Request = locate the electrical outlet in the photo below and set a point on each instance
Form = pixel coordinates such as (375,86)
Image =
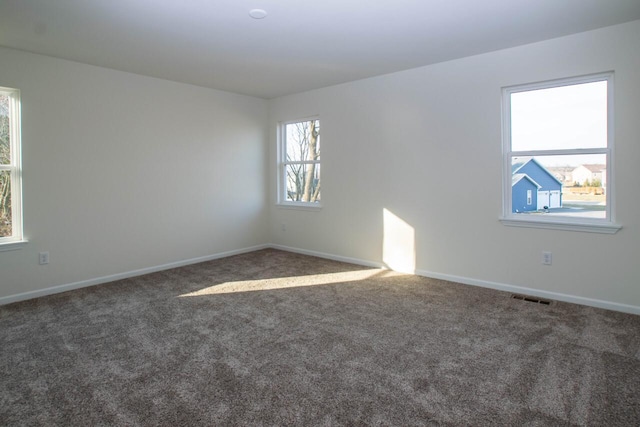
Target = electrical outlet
(546,258)
(43,258)
(284,227)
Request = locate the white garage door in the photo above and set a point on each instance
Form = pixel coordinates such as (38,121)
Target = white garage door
(543,199)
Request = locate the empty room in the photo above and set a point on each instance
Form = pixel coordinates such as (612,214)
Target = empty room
(274,212)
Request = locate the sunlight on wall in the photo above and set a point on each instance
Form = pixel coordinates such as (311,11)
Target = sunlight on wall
(290,282)
(398,246)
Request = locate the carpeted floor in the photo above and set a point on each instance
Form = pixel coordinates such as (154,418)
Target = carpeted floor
(274,338)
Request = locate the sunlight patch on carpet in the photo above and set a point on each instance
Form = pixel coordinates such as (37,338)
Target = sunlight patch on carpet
(291,282)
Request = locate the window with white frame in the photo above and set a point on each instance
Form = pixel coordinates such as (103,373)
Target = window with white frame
(299,162)
(557,153)
(10,173)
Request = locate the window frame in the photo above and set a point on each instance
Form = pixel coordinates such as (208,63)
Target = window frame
(283,163)
(16,240)
(595,225)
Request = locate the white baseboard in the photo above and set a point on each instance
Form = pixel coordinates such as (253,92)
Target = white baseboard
(329,256)
(608,305)
(111,278)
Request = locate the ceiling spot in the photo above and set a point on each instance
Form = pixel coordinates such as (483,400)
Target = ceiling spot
(257,13)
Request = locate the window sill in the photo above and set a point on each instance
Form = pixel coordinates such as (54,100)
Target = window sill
(13,246)
(300,206)
(588,227)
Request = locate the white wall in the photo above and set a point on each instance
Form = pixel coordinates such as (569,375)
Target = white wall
(425,145)
(124,172)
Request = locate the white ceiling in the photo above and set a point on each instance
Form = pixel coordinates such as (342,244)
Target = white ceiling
(300,45)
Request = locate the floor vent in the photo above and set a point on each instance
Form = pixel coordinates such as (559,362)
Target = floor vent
(531,299)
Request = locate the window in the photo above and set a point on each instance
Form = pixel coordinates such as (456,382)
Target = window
(299,163)
(10,173)
(557,147)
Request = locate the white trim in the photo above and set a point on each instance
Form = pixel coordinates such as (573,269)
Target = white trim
(568,151)
(300,119)
(113,277)
(15,167)
(340,258)
(281,165)
(610,197)
(303,206)
(556,224)
(567,81)
(591,302)
(606,225)
(607,305)
(13,246)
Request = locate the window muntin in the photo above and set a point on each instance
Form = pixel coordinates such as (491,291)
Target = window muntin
(299,169)
(10,173)
(555,134)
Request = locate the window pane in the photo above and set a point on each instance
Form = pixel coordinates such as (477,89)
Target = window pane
(570,186)
(303,141)
(303,182)
(5,153)
(5,204)
(565,117)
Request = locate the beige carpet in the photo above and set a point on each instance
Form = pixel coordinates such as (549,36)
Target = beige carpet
(274,338)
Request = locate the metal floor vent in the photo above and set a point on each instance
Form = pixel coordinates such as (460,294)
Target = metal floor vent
(531,299)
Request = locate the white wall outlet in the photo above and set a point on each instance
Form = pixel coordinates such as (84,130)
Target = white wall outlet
(43,258)
(547,258)
(283,227)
